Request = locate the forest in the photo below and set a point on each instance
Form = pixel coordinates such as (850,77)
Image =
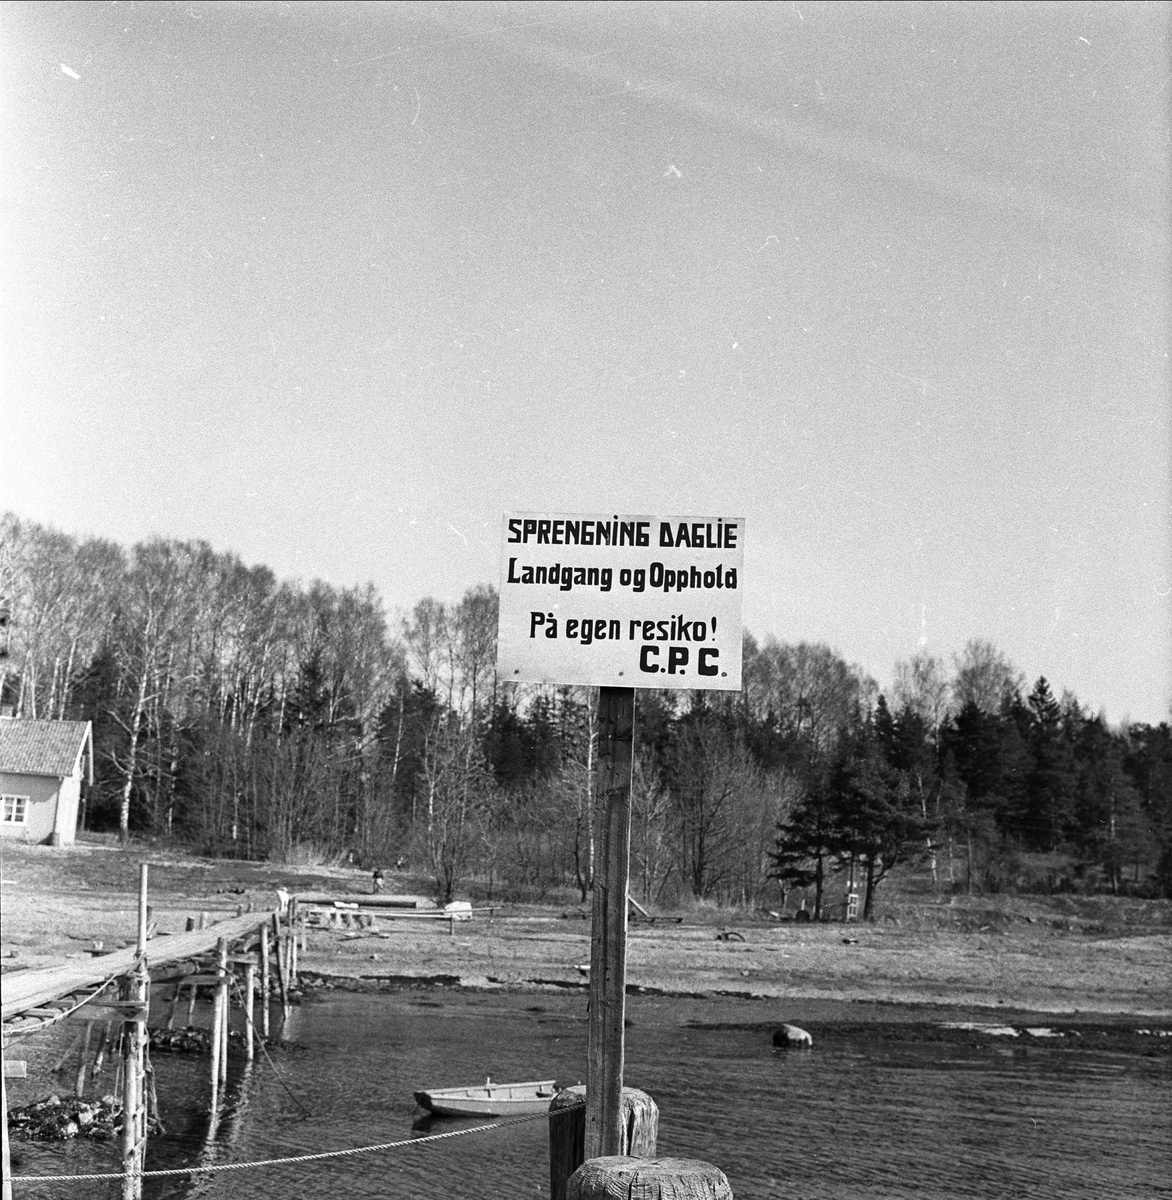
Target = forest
(242,716)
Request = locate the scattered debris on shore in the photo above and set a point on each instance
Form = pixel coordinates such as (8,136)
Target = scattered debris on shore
(58,1119)
(191,1040)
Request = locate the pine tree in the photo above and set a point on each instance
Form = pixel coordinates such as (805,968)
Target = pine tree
(1050,786)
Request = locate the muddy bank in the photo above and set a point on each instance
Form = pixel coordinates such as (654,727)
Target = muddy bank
(1051,956)
(1033,969)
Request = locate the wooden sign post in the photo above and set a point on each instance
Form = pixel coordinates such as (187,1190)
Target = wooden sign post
(618,602)
(608,934)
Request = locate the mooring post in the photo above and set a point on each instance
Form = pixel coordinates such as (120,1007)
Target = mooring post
(608,930)
(226,1005)
(135,989)
(567,1132)
(650,1179)
(249,1010)
(265,982)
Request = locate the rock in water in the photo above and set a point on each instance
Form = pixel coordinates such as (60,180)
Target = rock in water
(790,1037)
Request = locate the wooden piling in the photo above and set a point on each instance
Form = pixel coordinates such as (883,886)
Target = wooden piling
(100,1056)
(135,987)
(265,981)
(226,1005)
(649,1179)
(249,1007)
(174,1006)
(567,1132)
(79,1084)
(293,918)
(217,1017)
(281,969)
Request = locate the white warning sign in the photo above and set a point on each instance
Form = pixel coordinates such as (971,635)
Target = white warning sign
(621,601)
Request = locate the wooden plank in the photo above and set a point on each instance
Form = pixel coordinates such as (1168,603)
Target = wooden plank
(129,1010)
(326,900)
(15,1068)
(608,931)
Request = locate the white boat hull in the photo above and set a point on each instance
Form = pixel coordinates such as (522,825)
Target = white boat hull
(489,1100)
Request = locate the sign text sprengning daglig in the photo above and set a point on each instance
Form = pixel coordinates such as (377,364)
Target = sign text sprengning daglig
(622,601)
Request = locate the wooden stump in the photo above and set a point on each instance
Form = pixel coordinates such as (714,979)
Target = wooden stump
(567,1132)
(620,1177)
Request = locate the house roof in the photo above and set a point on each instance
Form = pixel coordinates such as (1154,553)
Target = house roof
(43,747)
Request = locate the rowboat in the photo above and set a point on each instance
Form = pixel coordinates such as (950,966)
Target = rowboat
(489,1099)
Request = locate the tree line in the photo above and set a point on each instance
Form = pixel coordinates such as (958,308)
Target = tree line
(264,719)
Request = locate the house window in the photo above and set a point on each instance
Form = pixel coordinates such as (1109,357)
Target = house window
(15,810)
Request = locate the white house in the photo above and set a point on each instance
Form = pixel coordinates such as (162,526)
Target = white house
(42,764)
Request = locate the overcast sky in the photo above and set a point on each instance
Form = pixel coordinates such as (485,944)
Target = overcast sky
(333,286)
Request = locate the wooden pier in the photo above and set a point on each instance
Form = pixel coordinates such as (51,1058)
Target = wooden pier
(203,956)
(30,993)
(233,956)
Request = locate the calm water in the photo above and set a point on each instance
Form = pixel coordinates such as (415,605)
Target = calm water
(860,1116)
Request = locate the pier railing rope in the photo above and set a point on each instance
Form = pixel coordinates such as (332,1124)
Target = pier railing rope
(280,1162)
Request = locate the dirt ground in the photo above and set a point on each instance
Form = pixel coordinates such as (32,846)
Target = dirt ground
(1022,953)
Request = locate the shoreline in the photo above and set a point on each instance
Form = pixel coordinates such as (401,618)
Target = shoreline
(828,1021)
(833,1008)
(1027,969)
(1056,957)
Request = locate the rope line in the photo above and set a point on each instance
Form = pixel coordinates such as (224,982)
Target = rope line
(277,1162)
